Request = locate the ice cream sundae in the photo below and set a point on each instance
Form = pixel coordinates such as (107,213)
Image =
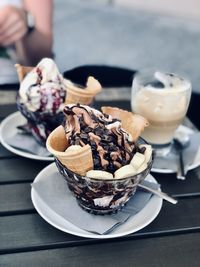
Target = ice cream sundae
(101,155)
(43,93)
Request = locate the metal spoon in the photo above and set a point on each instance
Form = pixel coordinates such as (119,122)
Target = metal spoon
(158,193)
(181,141)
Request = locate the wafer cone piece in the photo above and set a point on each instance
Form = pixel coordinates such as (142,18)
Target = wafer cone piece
(22,71)
(131,123)
(85,95)
(79,161)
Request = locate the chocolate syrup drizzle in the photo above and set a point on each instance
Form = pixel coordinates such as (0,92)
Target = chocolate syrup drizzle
(54,95)
(110,144)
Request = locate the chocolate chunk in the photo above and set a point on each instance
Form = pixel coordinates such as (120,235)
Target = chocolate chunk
(142,150)
(107,138)
(88,129)
(83,136)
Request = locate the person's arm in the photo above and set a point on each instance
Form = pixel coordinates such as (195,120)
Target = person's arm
(30,46)
(38,43)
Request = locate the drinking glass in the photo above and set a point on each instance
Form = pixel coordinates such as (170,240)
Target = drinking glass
(163,99)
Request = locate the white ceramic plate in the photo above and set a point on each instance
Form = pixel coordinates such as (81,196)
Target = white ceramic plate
(135,223)
(8,128)
(194,165)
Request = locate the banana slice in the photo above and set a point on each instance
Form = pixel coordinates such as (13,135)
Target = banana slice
(137,160)
(101,175)
(148,152)
(142,167)
(125,171)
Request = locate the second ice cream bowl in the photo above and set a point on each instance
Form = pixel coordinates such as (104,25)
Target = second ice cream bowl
(97,196)
(42,110)
(41,122)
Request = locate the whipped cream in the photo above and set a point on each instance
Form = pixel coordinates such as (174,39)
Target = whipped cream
(44,88)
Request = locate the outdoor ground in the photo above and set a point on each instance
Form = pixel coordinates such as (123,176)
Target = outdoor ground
(104,32)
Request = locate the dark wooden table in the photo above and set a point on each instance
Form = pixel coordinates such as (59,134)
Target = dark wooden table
(172,239)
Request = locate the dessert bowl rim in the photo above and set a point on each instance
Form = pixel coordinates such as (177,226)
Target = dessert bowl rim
(149,165)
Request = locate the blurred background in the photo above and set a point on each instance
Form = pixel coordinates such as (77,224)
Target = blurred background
(136,34)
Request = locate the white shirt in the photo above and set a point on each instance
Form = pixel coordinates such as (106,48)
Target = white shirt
(17,3)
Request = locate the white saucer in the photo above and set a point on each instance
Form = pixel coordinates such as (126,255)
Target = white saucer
(195,163)
(135,223)
(8,128)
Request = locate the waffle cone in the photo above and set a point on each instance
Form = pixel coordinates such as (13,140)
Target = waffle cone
(79,161)
(131,123)
(85,95)
(22,71)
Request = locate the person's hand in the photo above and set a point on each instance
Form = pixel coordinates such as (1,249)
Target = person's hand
(13,25)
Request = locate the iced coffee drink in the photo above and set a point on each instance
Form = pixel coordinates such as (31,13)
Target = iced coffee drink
(163,99)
